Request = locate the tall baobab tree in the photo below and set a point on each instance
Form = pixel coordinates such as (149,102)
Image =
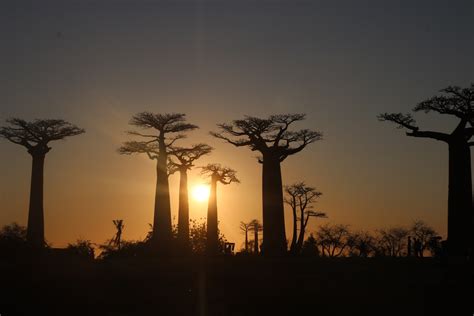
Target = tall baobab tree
(245,228)
(299,197)
(275,143)
(256,227)
(35,136)
(458,103)
(224,175)
(185,161)
(166,129)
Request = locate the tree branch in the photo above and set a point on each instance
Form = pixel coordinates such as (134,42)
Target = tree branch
(428,134)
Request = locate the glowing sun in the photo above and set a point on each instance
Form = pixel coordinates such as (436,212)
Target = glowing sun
(201,192)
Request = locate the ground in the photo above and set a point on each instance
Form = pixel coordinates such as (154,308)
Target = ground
(235,286)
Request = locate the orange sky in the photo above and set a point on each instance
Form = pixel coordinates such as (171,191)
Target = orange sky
(96,65)
(88,184)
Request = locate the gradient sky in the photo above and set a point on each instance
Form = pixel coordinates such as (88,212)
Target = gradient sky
(96,63)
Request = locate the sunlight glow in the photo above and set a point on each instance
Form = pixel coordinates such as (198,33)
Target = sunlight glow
(201,192)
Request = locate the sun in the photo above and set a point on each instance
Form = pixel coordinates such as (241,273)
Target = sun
(201,192)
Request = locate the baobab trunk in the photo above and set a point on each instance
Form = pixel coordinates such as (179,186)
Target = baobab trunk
(246,241)
(212,232)
(304,222)
(274,237)
(162,217)
(460,210)
(295,231)
(255,246)
(183,211)
(35,230)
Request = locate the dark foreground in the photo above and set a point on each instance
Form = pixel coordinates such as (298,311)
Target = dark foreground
(236,286)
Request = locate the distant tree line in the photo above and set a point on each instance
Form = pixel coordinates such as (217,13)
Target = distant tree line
(329,240)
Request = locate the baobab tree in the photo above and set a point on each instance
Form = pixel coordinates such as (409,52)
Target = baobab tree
(256,227)
(185,158)
(245,228)
(224,175)
(458,103)
(275,143)
(158,144)
(35,136)
(299,196)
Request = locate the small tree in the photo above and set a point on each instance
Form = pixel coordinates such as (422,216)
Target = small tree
(83,248)
(273,139)
(392,241)
(333,239)
(157,145)
(198,237)
(13,233)
(36,136)
(424,233)
(310,246)
(185,161)
(116,241)
(304,223)
(458,103)
(299,196)
(224,175)
(256,227)
(361,244)
(245,228)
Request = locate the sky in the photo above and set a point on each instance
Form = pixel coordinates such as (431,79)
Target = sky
(97,63)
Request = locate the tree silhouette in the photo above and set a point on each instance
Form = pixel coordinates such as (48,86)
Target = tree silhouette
(185,158)
(35,136)
(198,237)
(361,244)
(458,103)
(392,241)
(158,145)
(256,227)
(245,228)
(12,240)
(424,233)
(83,248)
(224,175)
(117,239)
(275,143)
(299,197)
(333,239)
(310,246)
(292,201)
(304,223)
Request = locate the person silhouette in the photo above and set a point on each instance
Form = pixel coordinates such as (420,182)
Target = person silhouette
(409,247)
(417,247)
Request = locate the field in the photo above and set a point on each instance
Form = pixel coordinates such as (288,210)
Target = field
(236,286)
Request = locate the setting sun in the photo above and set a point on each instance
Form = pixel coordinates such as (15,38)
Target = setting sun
(201,192)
